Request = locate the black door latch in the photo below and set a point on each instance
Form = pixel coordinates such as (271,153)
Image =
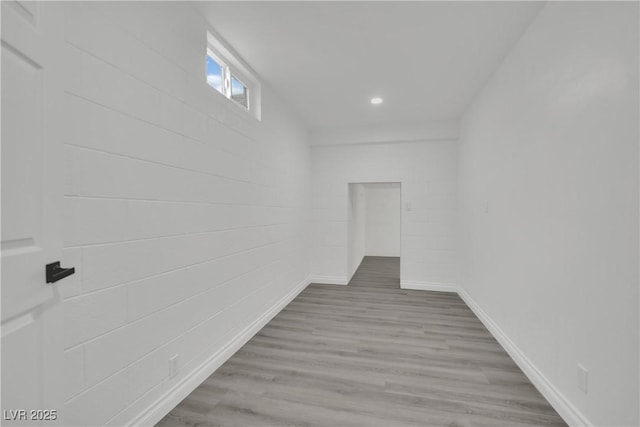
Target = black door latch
(55,272)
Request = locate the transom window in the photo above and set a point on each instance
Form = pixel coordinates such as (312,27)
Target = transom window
(229,76)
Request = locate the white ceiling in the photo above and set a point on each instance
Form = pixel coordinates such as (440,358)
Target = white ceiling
(327,59)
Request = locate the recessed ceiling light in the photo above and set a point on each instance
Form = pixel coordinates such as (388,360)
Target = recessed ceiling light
(376,100)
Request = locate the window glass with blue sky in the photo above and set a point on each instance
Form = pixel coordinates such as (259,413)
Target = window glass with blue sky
(214,74)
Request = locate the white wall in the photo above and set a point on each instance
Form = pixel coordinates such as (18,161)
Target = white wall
(426,170)
(185,217)
(356,226)
(549,204)
(432,131)
(383,219)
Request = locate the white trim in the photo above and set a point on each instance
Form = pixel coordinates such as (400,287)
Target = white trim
(330,280)
(163,405)
(561,404)
(556,399)
(428,286)
(354,270)
(446,130)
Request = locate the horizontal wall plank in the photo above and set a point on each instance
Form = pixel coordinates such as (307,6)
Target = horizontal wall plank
(107,354)
(166,254)
(87,316)
(90,31)
(115,90)
(125,220)
(90,175)
(73,371)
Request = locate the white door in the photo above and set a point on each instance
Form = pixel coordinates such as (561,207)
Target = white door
(32,378)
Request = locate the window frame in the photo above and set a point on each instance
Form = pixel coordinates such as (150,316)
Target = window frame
(247,91)
(232,66)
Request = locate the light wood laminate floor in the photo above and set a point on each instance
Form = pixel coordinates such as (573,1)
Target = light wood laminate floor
(368,354)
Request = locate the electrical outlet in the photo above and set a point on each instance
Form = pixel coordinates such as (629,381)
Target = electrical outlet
(173,366)
(583,378)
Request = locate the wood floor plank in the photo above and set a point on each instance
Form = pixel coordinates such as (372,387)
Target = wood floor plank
(368,354)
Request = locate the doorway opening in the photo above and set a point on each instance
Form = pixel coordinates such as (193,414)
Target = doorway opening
(374,225)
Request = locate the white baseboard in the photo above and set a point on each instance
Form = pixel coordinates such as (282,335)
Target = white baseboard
(428,286)
(330,280)
(351,273)
(162,406)
(565,409)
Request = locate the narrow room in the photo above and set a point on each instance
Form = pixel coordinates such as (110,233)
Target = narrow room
(320,213)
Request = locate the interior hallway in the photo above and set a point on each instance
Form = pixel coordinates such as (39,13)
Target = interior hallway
(368,353)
